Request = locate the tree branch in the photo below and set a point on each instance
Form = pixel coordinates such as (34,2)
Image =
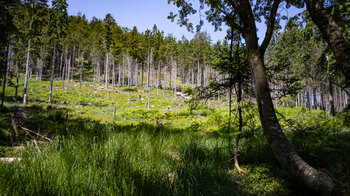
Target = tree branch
(270,26)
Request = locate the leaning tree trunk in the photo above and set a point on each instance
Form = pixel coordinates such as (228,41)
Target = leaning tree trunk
(240,125)
(331,33)
(52,70)
(297,168)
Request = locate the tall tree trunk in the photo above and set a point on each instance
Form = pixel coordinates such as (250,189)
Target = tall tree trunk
(331,32)
(119,74)
(149,75)
(308,100)
(52,70)
(170,75)
(142,68)
(26,74)
(98,67)
(148,69)
(107,68)
(136,75)
(73,63)
(81,73)
(159,75)
(68,74)
(113,75)
(198,74)
(330,95)
(192,78)
(240,125)
(17,81)
(314,94)
(6,68)
(64,67)
(175,75)
(123,78)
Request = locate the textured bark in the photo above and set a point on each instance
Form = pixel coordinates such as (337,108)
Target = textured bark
(297,168)
(331,33)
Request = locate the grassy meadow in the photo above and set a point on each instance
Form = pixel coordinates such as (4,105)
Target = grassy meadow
(113,143)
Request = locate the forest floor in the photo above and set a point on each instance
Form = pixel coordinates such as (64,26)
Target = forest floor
(96,141)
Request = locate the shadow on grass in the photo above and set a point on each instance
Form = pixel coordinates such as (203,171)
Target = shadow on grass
(99,158)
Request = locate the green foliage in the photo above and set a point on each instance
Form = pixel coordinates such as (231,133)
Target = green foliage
(260,180)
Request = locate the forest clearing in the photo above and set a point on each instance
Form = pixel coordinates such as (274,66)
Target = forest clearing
(89,107)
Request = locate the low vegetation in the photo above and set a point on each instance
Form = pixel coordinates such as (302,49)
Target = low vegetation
(108,143)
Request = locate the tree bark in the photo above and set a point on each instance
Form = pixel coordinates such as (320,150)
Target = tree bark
(5,78)
(159,75)
(52,70)
(113,75)
(17,81)
(331,33)
(297,168)
(107,68)
(26,74)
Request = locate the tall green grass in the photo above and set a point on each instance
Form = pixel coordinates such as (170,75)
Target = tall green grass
(109,159)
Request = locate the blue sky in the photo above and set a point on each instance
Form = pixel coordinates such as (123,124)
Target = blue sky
(144,14)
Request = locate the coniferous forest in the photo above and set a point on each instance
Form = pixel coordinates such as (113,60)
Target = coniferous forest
(89,107)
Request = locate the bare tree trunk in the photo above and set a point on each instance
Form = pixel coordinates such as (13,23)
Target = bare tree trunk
(113,75)
(142,68)
(64,67)
(5,78)
(170,75)
(159,75)
(17,80)
(81,73)
(198,74)
(148,70)
(119,74)
(26,74)
(123,78)
(240,125)
(68,73)
(175,75)
(107,69)
(192,81)
(330,95)
(314,94)
(308,100)
(149,75)
(136,72)
(52,70)
(73,63)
